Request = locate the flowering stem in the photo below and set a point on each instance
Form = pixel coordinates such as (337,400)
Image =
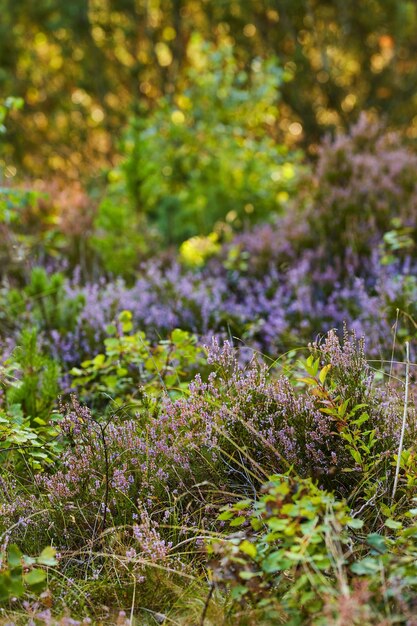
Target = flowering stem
(106,494)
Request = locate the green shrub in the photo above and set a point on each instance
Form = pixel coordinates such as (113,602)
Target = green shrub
(134,372)
(43,302)
(208,152)
(118,237)
(29,381)
(299,556)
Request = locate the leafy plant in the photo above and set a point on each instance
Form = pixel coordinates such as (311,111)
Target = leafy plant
(132,370)
(20,573)
(296,552)
(118,236)
(396,242)
(348,418)
(290,541)
(207,153)
(43,302)
(32,379)
(29,381)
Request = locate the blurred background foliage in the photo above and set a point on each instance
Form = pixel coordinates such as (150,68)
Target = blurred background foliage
(127,125)
(204,153)
(84,67)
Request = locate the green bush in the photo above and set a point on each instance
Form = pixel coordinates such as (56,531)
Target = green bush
(29,383)
(299,555)
(118,237)
(133,372)
(43,302)
(208,152)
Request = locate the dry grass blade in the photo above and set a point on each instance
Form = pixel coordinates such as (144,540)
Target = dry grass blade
(404,422)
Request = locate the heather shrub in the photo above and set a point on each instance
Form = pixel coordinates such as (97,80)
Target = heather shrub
(364,180)
(259,288)
(234,428)
(245,422)
(132,484)
(237,425)
(103,468)
(269,296)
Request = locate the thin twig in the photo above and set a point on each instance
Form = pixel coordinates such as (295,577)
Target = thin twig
(206,604)
(400,447)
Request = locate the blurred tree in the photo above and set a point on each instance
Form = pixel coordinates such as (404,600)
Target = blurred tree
(83,66)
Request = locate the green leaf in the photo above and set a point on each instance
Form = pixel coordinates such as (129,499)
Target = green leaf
(248,575)
(343,407)
(377,542)
(99,360)
(391,523)
(5,583)
(238,591)
(16,586)
(238,521)
(243,504)
(40,421)
(75,371)
(127,327)
(179,336)
(14,556)
(323,373)
(125,316)
(277,524)
(47,556)
(248,548)
(276,562)
(35,577)
(226,515)
(355,523)
(307,380)
(356,455)
(361,420)
(366,566)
